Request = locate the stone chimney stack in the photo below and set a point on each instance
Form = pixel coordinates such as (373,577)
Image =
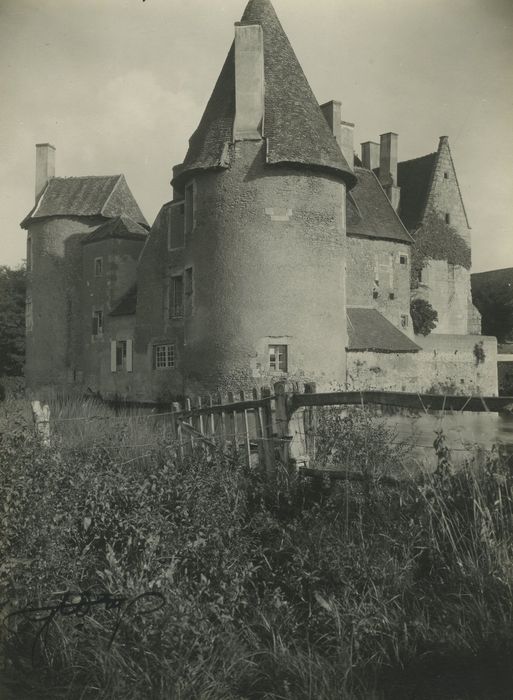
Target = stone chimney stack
(342,131)
(370,155)
(249,82)
(388,167)
(45,166)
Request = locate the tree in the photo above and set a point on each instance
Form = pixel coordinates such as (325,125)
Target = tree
(492,294)
(423,316)
(12,320)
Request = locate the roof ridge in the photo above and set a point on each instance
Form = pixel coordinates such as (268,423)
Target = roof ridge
(411,160)
(85,177)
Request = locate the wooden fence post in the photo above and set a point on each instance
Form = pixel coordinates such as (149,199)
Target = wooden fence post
(41,415)
(290,427)
(310,423)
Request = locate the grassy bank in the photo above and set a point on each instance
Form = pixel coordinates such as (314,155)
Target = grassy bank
(297,589)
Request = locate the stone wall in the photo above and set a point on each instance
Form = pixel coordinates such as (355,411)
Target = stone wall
(103,292)
(54,286)
(446,364)
(376,277)
(268,258)
(447,288)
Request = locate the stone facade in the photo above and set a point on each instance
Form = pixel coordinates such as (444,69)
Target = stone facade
(378,276)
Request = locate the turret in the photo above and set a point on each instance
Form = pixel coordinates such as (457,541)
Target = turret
(264,186)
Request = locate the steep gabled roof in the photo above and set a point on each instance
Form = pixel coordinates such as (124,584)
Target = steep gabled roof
(414,178)
(108,196)
(368,330)
(369,212)
(294,126)
(120,227)
(126,306)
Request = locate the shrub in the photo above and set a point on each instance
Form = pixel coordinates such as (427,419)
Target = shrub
(423,316)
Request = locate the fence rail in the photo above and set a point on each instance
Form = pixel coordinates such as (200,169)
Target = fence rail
(280,424)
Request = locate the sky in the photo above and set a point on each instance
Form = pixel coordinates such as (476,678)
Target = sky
(118,86)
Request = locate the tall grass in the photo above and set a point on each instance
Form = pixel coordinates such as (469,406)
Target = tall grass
(309,589)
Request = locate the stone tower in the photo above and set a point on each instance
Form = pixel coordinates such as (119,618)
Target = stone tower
(263,191)
(65,211)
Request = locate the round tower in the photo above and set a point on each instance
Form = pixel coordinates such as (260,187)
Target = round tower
(264,186)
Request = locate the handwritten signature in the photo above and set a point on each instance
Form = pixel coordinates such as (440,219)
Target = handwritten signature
(81,605)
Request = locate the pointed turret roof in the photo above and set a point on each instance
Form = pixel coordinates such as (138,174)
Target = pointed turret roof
(294,126)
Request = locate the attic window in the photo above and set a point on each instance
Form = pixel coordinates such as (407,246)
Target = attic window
(447,218)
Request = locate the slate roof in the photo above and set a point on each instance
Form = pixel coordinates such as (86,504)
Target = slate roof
(294,126)
(369,330)
(126,306)
(108,196)
(414,178)
(369,212)
(120,227)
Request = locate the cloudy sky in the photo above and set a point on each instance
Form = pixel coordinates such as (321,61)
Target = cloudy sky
(118,86)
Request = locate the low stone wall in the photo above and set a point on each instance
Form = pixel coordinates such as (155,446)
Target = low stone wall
(450,364)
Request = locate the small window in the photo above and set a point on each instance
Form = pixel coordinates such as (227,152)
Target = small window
(120,355)
(163,356)
(403,259)
(97,322)
(29,319)
(189,291)
(29,253)
(98,267)
(190,207)
(278,358)
(447,218)
(404,321)
(391,295)
(446,176)
(375,293)
(176,297)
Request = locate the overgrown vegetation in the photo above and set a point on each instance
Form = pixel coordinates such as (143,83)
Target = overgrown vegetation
(436,240)
(423,316)
(300,589)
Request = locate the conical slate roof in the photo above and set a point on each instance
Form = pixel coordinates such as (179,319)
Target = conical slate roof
(294,126)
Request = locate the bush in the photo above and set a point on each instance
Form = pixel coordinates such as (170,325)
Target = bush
(423,316)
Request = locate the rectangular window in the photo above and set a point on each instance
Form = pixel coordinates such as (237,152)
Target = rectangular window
(391,295)
(278,360)
(403,259)
(190,208)
(446,176)
(29,253)
(189,291)
(97,322)
(98,267)
(121,356)
(163,356)
(447,218)
(404,321)
(29,319)
(176,297)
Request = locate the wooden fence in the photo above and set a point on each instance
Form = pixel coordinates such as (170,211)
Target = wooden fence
(280,424)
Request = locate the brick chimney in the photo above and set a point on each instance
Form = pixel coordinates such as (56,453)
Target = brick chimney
(388,167)
(370,155)
(249,82)
(342,131)
(45,166)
